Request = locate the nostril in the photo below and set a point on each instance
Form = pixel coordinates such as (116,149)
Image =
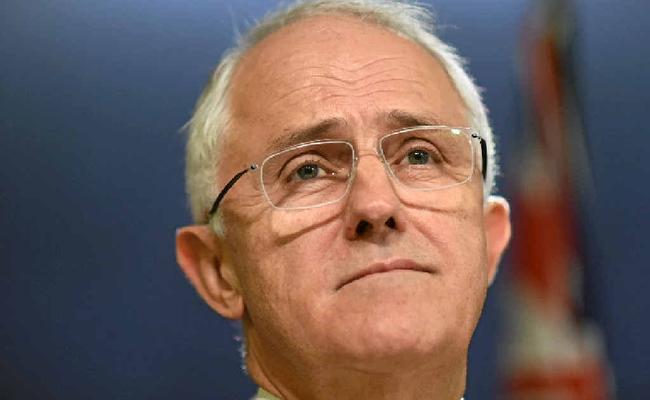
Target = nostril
(390,222)
(362,227)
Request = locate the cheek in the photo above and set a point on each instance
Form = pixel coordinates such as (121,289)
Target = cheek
(457,239)
(457,233)
(470,270)
(252,260)
(453,220)
(282,262)
(307,246)
(298,225)
(286,289)
(263,284)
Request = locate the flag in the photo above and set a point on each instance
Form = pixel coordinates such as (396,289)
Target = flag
(553,350)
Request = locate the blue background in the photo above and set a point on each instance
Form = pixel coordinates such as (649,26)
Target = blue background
(92,96)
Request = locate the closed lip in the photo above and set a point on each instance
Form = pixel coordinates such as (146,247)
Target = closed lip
(386,266)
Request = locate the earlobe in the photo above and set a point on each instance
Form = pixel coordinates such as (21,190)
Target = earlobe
(199,254)
(496,220)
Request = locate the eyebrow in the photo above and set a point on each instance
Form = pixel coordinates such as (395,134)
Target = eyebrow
(307,134)
(404,119)
(395,119)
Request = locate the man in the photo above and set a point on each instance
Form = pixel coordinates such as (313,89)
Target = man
(339,169)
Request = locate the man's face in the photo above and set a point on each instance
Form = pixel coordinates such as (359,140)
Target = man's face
(304,274)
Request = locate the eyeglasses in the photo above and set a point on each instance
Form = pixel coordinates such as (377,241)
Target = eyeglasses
(317,173)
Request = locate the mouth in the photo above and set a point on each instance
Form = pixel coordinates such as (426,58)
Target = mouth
(384,267)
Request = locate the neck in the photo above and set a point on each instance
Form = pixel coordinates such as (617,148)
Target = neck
(412,378)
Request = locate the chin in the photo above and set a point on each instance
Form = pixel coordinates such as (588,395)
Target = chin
(396,336)
(386,350)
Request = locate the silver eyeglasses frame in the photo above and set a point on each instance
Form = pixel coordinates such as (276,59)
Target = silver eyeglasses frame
(472,134)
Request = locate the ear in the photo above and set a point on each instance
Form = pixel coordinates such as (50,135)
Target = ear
(200,256)
(496,222)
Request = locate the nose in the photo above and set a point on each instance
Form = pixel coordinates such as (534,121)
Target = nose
(373,210)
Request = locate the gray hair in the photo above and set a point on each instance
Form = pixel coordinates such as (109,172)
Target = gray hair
(212,118)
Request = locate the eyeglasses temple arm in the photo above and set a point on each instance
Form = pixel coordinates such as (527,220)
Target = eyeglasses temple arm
(226,188)
(484,156)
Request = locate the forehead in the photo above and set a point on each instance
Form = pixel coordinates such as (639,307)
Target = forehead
(335,67)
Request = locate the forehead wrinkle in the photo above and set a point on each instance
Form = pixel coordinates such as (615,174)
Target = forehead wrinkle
(373,62)
(332,68)
(366,65)
(332,96)
(345,88)
(310,86)
(352,81)
(322,81)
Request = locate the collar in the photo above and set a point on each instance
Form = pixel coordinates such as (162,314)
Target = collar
(264,395)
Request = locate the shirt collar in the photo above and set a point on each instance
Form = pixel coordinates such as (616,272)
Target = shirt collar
(264,395)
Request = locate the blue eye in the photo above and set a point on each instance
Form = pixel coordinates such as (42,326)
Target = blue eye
(418,157)
(308,171)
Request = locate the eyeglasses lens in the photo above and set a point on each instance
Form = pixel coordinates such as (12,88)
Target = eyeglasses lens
(429,159)
(308,175)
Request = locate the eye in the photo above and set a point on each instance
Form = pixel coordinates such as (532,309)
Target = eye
(307,171)
(413,151)
(418,157)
